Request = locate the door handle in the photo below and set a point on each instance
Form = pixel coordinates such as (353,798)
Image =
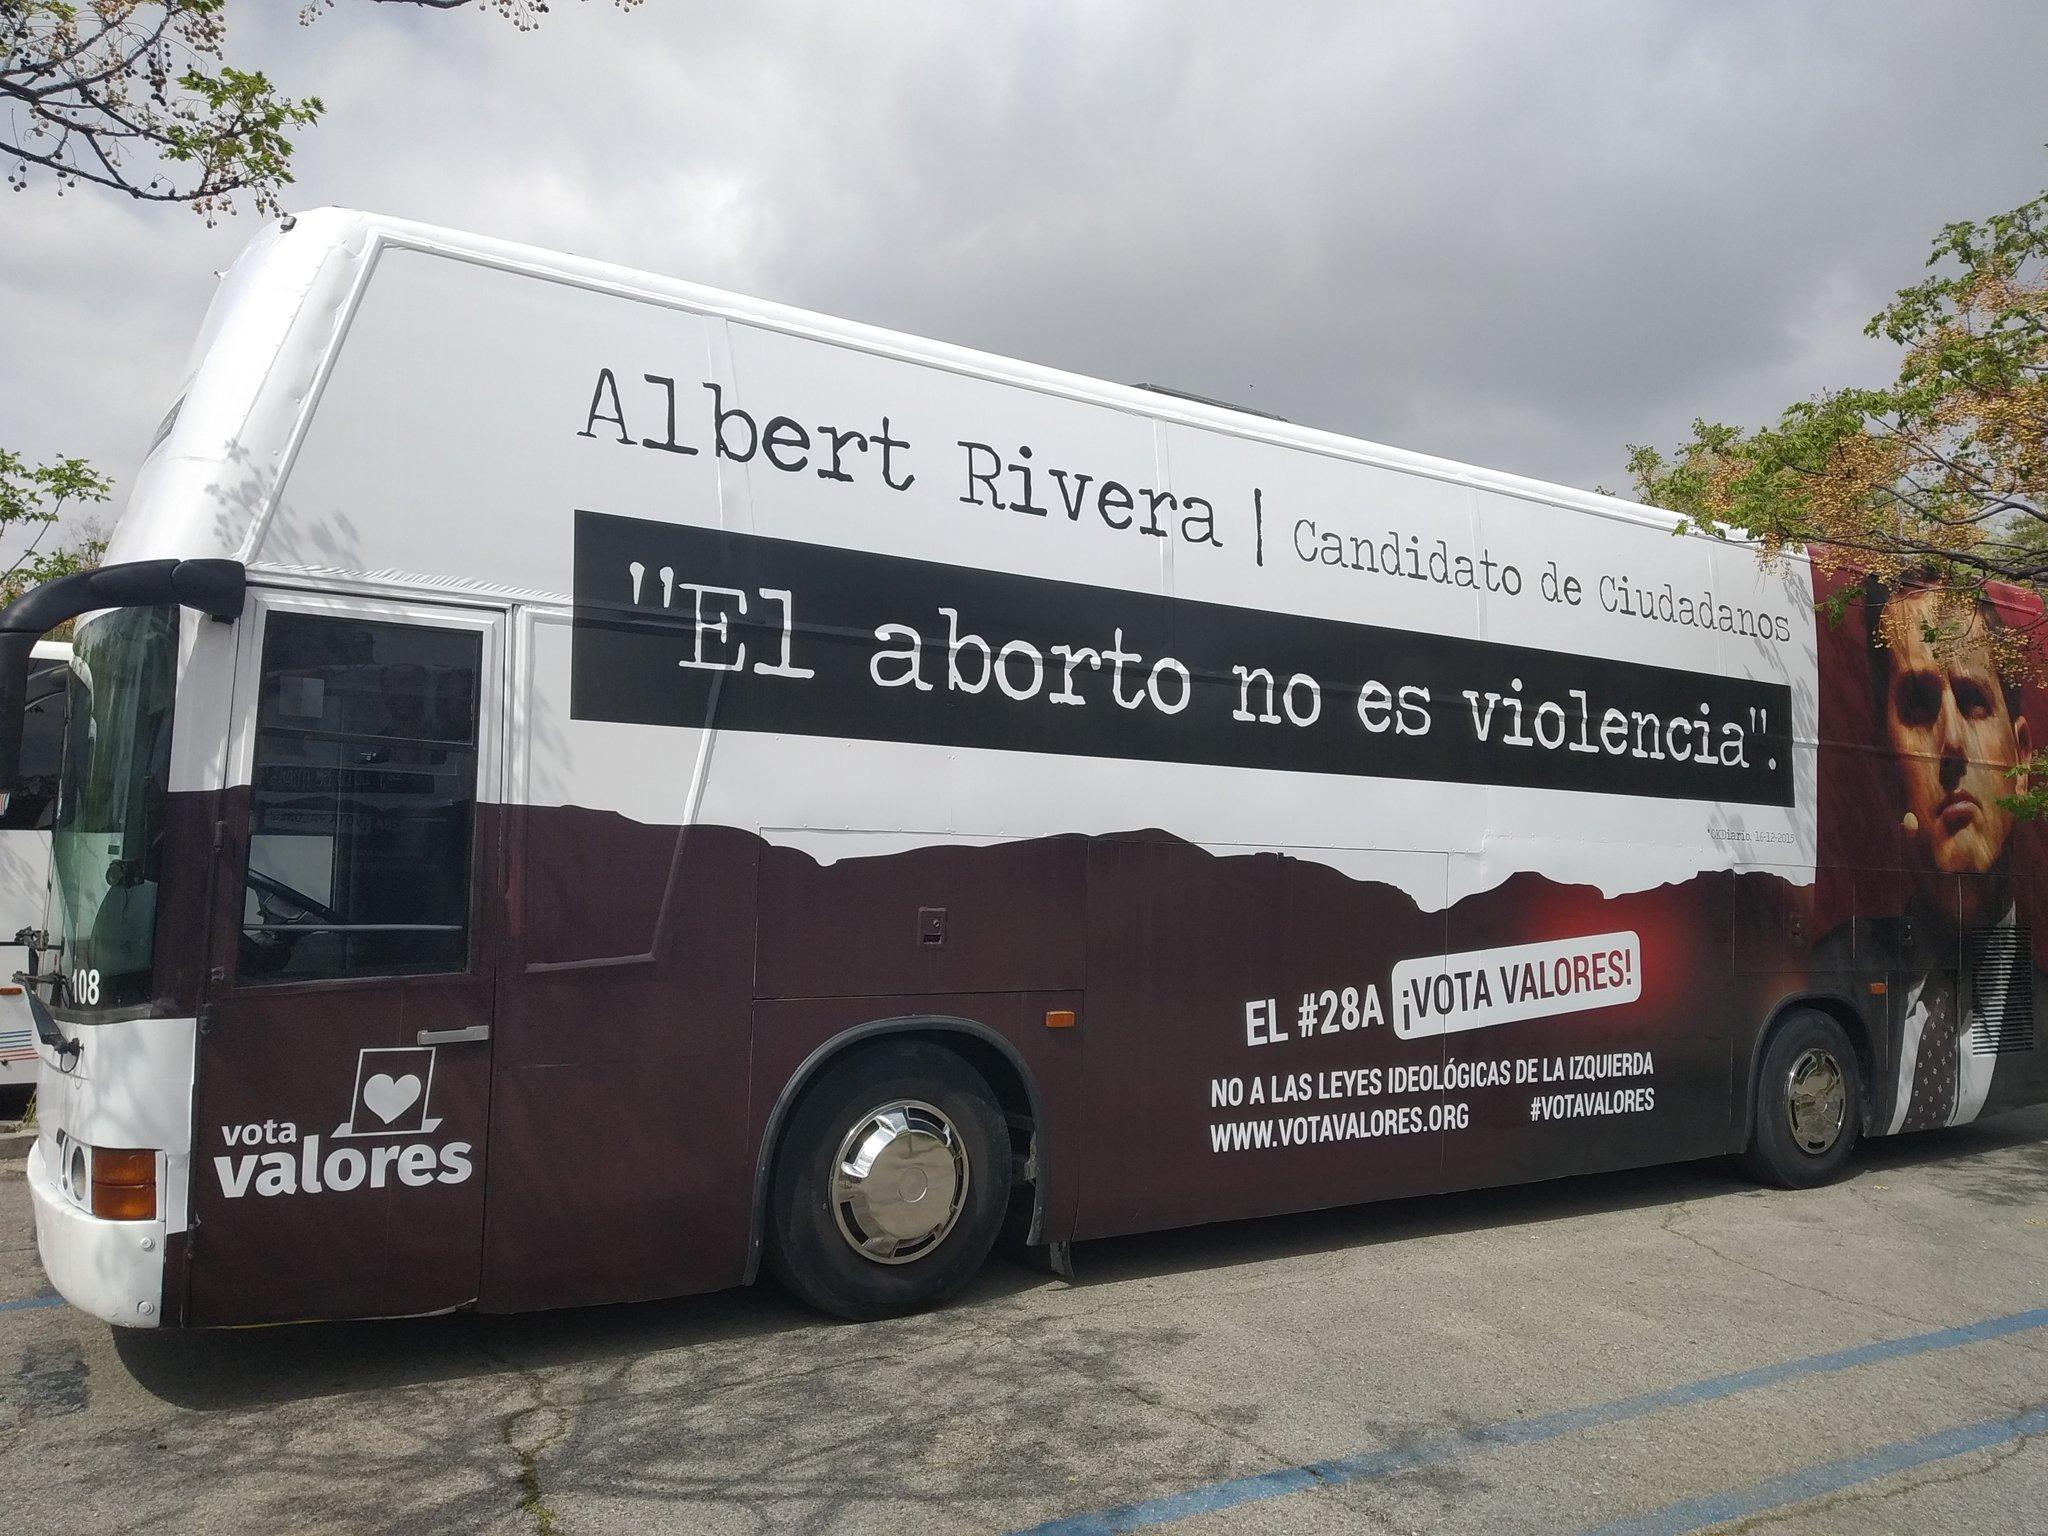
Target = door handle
(454,1036)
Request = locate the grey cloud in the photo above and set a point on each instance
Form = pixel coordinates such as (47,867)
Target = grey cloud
(1518,235)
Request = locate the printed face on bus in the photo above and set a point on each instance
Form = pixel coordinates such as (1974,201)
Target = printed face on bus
(1953,740)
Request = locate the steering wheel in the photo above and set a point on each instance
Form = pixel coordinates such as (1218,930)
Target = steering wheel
(266,951)
(269,887)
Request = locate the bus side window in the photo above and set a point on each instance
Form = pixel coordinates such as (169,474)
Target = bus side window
(33,806)
(362,801)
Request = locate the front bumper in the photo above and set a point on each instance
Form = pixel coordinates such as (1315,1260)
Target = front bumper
(112,1269)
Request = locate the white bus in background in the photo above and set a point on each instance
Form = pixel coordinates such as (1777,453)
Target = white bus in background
(25,857)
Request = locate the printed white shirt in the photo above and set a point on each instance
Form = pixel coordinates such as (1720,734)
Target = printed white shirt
(1974,1070)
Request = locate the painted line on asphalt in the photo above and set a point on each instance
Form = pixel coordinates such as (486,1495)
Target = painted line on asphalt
(1370,1465)
(1829,1477)
(31,1301)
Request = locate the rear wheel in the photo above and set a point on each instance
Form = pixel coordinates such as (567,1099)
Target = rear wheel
(1809,1104)
(890,1184)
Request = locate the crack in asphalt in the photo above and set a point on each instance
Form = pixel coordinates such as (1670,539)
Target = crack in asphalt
(1902,1483)
(1668,1224)
(527,1450)
(1153,1398)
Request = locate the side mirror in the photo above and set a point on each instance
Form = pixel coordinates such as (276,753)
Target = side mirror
(215,588)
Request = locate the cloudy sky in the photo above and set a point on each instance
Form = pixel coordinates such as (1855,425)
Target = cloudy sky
(1519,234)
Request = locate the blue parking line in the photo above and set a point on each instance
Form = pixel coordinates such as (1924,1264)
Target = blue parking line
(1828,1477)
(1371,1465)
(31,1301)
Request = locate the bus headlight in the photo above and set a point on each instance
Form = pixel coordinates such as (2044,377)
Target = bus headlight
(124,1183)
(114,1183)
(78,1175)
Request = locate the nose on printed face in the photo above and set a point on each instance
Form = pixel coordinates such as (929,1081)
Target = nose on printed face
(1949,725)
(1954,763)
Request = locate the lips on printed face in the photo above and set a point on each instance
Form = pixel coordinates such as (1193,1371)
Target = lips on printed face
(1964,837)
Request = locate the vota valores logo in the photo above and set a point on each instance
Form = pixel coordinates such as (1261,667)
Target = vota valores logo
(387,1140)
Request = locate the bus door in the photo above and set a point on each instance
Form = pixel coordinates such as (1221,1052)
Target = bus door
(344,1037)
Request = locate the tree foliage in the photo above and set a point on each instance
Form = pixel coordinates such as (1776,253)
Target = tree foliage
(1939,478)
(138,96)
(1943,472)
(37,494)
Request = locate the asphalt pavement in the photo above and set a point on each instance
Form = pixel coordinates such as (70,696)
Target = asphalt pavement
(1652,1352)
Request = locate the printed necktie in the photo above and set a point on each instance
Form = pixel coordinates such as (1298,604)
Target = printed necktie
(1939,1061)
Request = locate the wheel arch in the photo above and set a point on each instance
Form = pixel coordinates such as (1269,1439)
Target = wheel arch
(1862,1040)
(998,1061)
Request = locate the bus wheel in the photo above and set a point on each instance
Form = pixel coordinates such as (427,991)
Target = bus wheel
(890,1184)
(1809,1104)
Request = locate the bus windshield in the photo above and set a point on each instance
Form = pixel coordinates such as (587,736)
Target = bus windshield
(106,844)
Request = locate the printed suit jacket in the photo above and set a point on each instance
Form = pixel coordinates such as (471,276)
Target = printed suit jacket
(1885,966)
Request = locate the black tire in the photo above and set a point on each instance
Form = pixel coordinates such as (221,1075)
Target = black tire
(1782,1151)
(815,1255)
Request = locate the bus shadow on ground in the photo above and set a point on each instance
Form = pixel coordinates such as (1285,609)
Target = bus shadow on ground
(1958,1162)
(1960,1159)
(237,1369)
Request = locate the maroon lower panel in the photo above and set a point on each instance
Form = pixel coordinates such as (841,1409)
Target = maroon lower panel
(620,1063)
(1199,1111)
(1239,1050)
(338,1164)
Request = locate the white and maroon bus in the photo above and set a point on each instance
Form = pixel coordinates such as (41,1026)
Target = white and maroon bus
(578,785)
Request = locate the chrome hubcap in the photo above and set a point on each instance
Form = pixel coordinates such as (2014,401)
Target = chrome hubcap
(899,1181)
(1816,1099)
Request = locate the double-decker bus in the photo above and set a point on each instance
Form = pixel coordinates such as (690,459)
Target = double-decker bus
(578,785)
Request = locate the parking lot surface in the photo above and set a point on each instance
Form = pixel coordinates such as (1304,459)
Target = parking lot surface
(1659,1351)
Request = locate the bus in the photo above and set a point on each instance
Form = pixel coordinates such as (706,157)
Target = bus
(579,786)
(25,818)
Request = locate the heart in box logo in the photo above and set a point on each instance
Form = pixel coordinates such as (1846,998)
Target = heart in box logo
(389,1097)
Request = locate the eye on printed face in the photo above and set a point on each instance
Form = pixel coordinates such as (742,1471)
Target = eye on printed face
(1952,739)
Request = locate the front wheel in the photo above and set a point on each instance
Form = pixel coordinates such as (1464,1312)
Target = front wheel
(890,1184)
(1809,1104)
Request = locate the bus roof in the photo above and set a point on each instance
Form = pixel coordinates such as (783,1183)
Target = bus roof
(296,314)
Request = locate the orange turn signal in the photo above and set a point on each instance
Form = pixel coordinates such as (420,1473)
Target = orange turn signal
(1877,989)
(1060,1018)
(124,1183)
